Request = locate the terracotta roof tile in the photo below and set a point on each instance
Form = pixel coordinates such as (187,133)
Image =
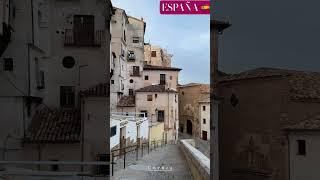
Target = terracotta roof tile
(127,101)
(54,126)
(312,123)
(149,67)
(155,88)
(303,85)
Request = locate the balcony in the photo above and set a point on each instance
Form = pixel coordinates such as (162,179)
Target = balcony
(84,38)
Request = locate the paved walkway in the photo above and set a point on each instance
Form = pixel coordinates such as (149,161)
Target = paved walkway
(167,157)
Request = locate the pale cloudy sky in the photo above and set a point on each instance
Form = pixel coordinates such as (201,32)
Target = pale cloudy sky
(187,37)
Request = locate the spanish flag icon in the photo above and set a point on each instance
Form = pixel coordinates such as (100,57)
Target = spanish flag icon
(205,7)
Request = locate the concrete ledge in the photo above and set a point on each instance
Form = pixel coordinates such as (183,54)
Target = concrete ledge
(198,163)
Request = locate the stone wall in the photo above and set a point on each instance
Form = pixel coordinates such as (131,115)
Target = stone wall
(199,164)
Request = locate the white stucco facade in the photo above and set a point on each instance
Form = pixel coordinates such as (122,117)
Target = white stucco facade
(304,166)
(204,117)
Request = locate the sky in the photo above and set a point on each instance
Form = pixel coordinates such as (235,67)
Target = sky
(187,37)
(273,33)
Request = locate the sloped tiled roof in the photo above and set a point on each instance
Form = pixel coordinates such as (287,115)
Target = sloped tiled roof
(54,126)
(150,67)
(312,123)
(303,85)
(127,101)
(99,90)
(204,98)
(155,88)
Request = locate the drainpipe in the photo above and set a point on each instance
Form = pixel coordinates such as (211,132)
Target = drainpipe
(82,131)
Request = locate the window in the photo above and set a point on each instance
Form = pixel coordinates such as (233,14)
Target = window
(131,81)
(182,93)
(146,77)
(131,55)
(162,79)
(204,121)
(54,167)
(83,30)
(68,62)
(124,35)
(170,77)
(112,81)
(145,113)
(301,147)
(135,40)
(160,116)
(156,95)
(175,98)
(67,96)
(153,53)
(41,83)
(149,97)
(234,100)
(204,108)
(130,92)
(113,131)
(8,64)
(135,70)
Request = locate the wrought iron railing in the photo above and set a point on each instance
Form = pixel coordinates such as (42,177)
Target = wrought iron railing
(84,38)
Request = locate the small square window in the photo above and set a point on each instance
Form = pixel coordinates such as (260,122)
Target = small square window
(8,64)
(204,108)
(112,81)
(145,113)
(153,53)
(135,40)
(204,121)
(146,77)
(156,95)
(149,98)
(301,147)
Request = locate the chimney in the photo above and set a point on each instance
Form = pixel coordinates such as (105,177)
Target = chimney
(217,28)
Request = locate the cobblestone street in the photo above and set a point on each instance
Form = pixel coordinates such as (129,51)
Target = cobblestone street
(168,156)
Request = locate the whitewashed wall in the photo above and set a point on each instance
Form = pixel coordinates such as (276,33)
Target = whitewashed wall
(205,115)
(115,140)
(305,167)
(144,129)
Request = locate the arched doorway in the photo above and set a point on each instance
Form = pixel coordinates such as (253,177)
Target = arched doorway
(189,127)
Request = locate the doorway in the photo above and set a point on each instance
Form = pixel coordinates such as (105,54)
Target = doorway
(204,135)
(189,127)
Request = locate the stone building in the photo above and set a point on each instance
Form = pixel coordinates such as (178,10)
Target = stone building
(119,47)
(55,81)
(156,56)
(254,108)
(142,71)
(204,117)
(189,107)
(304,144)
